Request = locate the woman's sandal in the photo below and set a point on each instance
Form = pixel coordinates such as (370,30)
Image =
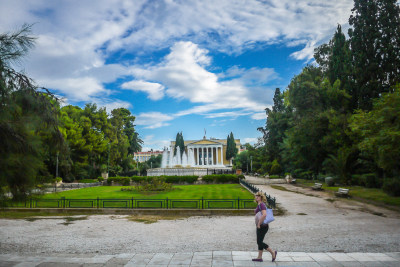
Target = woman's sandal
(276,253)
(257,259)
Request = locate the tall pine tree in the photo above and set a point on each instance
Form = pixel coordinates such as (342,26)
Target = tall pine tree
(231,149)
(179,142)
(375,48)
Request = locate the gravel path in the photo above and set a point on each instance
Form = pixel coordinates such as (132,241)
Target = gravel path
(311,224)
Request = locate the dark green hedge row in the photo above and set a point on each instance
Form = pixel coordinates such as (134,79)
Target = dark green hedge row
(221,178)
(190,179)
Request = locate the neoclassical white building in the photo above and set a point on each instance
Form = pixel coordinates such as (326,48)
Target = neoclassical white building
(208,153)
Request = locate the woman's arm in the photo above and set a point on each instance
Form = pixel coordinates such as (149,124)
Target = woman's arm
(262,218)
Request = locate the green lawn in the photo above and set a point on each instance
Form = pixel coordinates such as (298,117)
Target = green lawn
(372,194)
(214,191)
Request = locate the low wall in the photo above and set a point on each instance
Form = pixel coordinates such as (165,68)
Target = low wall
(187,171)
(177,171)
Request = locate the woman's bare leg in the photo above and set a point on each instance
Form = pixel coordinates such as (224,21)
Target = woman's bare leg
(260,252)
(270,251)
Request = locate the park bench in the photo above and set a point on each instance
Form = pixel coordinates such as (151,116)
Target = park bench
(317,186)
(342,192)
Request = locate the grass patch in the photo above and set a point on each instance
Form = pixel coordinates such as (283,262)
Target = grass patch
(301,213)
(372,195)
(212,191)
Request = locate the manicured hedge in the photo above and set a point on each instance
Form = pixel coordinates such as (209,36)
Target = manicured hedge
(119,180)
(221,178)
(138,179)
(190,179)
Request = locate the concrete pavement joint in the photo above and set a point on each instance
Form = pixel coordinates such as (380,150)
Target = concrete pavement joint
(206,258)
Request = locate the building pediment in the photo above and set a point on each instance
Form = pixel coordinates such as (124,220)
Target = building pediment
(204,142)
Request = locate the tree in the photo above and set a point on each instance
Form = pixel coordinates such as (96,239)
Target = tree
(231,149)
(154,161)
(25,111)
(334,59)
(278,120)
(375,48)
(242,161)
(179,142)
(126,125)
(378,132)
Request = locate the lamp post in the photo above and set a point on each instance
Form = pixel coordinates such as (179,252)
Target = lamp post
(55,184)
(108,161)
(251,164)
(57,166)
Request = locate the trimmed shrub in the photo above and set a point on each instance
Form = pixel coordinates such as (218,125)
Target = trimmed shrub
(392,187)
(190,179)
(241,176)
(100,179)
(138,179)
(119,180)
(221,178)
(275,168)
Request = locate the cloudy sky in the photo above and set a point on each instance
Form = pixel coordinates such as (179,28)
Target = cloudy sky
(184,65)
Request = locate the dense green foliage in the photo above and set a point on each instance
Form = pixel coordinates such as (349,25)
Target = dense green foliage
(28,121)
(221,178)
(179,142)
(36,133)
(341,118)
(231,149)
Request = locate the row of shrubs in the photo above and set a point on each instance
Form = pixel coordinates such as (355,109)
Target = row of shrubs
(222,178)
(188,179)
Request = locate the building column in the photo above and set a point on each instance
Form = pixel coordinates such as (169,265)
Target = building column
(205,155)
(222,156)
(212,155)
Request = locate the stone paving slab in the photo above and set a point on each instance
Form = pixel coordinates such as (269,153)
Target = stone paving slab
(204,259)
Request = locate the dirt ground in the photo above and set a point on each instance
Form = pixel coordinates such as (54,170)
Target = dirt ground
(313,222)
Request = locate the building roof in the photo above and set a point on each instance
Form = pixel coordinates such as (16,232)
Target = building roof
(212,140)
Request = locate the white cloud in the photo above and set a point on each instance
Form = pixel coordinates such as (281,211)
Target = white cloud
(149,143)
(232,25)
(74,45)
(155,90)
(249,140)
(183,73)
(259,116)
(234,114)
(152,120)
(76,89)
(252,76)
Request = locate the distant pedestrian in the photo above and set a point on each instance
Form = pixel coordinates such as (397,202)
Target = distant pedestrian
(262,229)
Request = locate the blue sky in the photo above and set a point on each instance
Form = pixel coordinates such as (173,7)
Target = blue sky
(183,65)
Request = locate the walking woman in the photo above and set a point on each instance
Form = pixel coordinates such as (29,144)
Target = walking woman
(262,229)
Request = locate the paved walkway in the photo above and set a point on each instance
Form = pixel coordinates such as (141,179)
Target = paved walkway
(208,258)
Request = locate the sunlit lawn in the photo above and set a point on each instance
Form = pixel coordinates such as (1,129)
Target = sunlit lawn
(373,194)
(214,191)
